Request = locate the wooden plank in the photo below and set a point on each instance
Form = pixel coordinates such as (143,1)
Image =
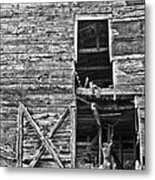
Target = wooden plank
(93,50)
(19,136)
(73,115)
(59,122)
(49,145)
(105,92)
(93,68)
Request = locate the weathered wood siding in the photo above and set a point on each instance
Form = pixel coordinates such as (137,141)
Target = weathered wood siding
(37,64)
(128,53)
(37,69)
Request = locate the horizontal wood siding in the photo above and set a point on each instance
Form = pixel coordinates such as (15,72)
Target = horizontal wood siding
(37,65)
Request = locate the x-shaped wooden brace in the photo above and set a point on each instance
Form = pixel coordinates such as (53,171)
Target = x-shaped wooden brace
(46,144)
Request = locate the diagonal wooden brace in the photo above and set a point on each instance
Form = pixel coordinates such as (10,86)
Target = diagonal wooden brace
(60,121)
(49,145)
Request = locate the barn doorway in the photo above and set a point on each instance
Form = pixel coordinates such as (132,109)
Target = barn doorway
(117,117)
(100,117)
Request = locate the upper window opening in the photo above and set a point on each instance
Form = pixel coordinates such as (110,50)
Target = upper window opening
(93,61)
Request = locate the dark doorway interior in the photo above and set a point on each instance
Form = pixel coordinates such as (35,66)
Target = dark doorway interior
(118,114)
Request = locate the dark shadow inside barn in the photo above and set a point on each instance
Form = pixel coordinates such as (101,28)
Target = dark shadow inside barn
(93,53)
(102,121)
(117,124)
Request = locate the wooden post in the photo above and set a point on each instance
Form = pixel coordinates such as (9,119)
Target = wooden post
(100,144)
(73,137)
(139,129)
(19,137)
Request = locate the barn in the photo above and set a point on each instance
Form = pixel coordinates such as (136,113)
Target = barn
(72,80)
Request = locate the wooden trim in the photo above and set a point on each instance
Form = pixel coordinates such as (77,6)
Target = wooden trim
(76,40)
(114,79)
(110,39)
(19,136)
(83,17)
(49,145)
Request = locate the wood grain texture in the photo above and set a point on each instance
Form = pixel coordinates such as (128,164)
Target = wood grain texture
(37,69)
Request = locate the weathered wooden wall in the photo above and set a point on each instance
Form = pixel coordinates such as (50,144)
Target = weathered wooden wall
(128,53)
(37,62)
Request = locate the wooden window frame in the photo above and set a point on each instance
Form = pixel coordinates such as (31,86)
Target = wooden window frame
(92,17)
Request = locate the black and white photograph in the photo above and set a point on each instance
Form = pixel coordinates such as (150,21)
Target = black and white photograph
(72,85)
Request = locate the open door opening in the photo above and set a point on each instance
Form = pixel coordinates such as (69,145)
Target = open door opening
(106,128)
(117,123)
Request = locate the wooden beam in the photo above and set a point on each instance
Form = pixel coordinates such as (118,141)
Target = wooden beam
(93,68)
(60,121)
(49,145)
(107,92)
(93,50)
(19,136)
